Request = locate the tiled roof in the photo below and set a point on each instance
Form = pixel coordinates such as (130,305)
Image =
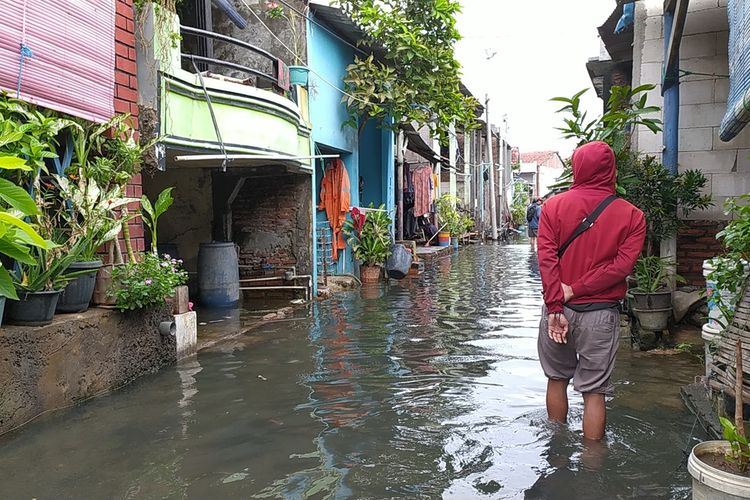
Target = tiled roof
(537,156)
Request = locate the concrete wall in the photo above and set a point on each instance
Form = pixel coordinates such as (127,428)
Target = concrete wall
(703,102)
(703,99)
(76,358)
(369,154)
(188,223)
(271,223)
(274,39)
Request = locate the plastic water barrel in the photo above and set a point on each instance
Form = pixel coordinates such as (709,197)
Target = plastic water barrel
(218,274)
(399,263)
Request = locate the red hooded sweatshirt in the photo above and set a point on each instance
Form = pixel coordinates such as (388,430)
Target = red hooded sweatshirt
(597,263)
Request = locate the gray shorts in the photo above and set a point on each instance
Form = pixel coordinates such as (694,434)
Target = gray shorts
(589,356)
(533,232)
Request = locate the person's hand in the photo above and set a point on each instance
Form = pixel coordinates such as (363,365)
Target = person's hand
(568,292)
(557,326)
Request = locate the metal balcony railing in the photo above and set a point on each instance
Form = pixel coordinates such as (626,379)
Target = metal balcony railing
(203,60)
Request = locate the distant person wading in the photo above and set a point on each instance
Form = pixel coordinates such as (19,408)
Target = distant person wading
(583,267)
(533,215)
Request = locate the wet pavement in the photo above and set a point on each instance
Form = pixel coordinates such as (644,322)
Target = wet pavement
(428,388)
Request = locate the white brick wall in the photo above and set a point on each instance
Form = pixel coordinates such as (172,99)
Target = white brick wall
(703,98)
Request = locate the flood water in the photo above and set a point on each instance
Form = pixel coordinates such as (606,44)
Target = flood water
(421,389)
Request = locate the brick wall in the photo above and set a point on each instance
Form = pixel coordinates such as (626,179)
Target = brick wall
(697,242)
(126,95)
(272,223)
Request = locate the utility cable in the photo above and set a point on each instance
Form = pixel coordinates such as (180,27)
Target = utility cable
(323,79)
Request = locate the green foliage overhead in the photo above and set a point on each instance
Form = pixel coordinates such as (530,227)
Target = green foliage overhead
(419,77)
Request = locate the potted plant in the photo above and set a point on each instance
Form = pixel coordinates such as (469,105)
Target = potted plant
(369,235)
(39,283)
(450,220)
(92,220)
(652,296)
(720,468)
(148,281)
(298,72)
(16,236)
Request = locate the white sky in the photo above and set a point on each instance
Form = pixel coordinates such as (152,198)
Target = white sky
(542,47)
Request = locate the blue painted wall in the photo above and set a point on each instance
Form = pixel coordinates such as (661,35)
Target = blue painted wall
(369,153)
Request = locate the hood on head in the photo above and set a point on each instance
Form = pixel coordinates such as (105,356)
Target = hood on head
(594,167)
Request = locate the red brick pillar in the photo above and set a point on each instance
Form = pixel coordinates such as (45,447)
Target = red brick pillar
(126,96)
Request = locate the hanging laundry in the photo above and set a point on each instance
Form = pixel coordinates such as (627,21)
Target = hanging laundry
(335,198)
(422,179)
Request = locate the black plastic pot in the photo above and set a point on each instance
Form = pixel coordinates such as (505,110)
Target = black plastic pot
(649,301)
(76,297)
(34,308)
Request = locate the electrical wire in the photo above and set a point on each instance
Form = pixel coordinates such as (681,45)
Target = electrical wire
(336,35)
(323,79)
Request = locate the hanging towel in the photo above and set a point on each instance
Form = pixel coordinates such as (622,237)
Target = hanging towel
(422,178)
(335,198)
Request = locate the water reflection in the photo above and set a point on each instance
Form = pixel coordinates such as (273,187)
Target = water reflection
(425,388)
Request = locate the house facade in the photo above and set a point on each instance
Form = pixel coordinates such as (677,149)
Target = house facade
(367,152)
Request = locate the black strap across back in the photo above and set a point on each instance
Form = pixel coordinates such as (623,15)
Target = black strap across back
(587,222)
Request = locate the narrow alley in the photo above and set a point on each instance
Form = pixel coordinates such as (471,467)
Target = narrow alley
(425,388)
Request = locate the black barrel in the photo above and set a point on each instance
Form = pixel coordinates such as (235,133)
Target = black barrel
(218,274)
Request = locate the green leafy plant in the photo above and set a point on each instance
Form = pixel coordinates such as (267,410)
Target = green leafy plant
(731,269)
(369,235)
(92,216)
(47,270)
(521,201)
(653,274)
(739,452)
(662,196)
(17,237)
(417,79)
(449,216)
(153,212)
(626,109)
(147,282)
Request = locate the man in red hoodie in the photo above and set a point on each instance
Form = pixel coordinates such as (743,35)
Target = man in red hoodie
(579,331)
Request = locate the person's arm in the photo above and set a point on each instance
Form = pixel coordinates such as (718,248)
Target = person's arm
(549,263)
(608,275)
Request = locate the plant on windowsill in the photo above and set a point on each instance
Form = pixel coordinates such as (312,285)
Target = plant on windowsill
(369,235)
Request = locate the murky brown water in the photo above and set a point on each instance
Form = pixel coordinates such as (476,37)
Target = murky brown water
(424,389)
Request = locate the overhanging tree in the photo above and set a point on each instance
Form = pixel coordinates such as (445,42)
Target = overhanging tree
(417,79)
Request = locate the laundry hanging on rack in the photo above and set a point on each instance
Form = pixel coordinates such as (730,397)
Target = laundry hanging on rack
(422,178)
(335,198)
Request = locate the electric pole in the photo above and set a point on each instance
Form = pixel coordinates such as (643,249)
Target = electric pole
(493,200)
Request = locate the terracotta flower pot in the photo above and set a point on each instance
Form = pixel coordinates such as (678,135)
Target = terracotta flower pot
(369,274)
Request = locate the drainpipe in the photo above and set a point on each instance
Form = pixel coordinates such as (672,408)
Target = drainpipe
(671,92)
(490,159)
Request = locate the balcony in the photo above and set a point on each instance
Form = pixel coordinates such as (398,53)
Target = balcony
(214,113)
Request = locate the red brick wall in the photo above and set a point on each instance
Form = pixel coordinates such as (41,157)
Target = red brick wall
(126,95)
(272,223)
(696,242)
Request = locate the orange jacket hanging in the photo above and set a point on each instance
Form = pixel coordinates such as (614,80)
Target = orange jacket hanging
(335,198)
